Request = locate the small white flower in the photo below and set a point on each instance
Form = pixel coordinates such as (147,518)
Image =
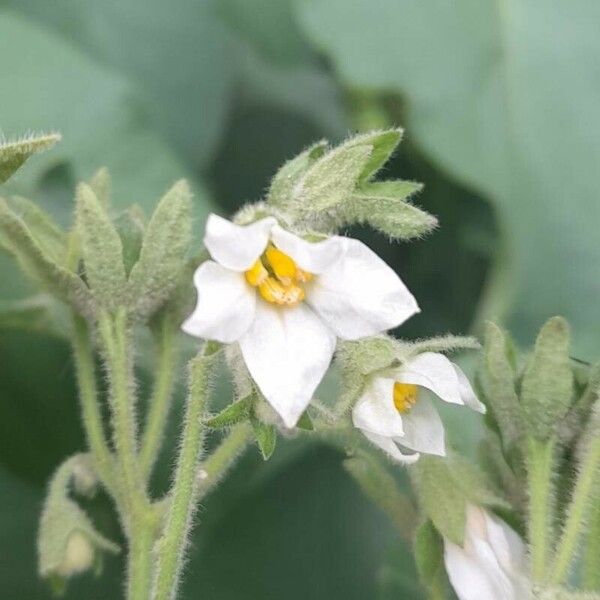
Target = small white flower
(286,300)
(491,563)
(391,414)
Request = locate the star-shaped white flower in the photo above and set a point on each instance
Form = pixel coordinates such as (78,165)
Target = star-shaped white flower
(391,414)
(286,300)
(491,563)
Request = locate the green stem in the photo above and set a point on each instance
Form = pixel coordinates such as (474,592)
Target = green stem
(114,334)
(161,396)
(577,511)
(140,560)
(171,546)
(540,463)
(591,561)
(92,418)
(223,457)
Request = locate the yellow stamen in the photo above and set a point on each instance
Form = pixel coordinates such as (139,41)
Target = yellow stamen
(405,395)
(283,266)
(277,293)
(278,278)
(256,274)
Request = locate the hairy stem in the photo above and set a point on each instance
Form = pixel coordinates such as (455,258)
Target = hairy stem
(114,335)
(172,545)
(90,409)
(161,395)
(223,457)
(591,560)
(539,466)
(140,564)
(578,510)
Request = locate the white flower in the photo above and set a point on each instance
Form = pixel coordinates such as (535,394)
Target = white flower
(491,563)
(391,414)
(286,300)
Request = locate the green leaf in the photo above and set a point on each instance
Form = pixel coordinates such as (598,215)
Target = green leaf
(101,186)
(547,388)
(305,422)
(64,284)
(101,249)
(383,144)
(14,153)
(429,556)
(472,82)
(162,258)
(234,413)
(498,382)
(331,179)
(282,184)
(130,225)
(52,240)
(382,489)
(266,437)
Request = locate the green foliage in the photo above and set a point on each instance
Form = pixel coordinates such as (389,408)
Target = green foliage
(102,251)
(14,153)
(164,249)
(547,388)
(429,556)
(266,437)
(234,413)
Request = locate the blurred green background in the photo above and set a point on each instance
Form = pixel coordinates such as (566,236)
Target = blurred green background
(501,105)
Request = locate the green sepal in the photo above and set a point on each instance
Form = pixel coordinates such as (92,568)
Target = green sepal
(101,186)
(547,387)
(367,355)
(429,558)
(162,257)
(497,377)
(58,585)
(102,250)
(14,153)
(305,422)
(266,437)
(331,180)
(282,184)
(235,413)
(130,225)
(383,144)
(18,239)
(383,206)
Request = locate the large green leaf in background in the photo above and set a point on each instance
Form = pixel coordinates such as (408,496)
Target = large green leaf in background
(503,95)
(47,84)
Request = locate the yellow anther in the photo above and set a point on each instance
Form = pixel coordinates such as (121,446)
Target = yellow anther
(283,266)
(257,274)
(405,395)
(277,293)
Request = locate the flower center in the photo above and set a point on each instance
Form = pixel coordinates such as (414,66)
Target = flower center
(278,279)
(405,395)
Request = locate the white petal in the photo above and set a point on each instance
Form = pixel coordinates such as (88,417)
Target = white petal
(287,351)
(466,391)
(225,307)
(435,372)
(469,580)
(234,246)
(423,429)
(508,547)
(388,446)
(375,410)
(359,295)
(314,257)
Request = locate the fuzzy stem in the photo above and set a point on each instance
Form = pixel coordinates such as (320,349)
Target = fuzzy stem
(223,457)
(539,465)
(92,418)
(113,332)
(578,508)
(591,561)
(161,396)
(140,560)
(171,546)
